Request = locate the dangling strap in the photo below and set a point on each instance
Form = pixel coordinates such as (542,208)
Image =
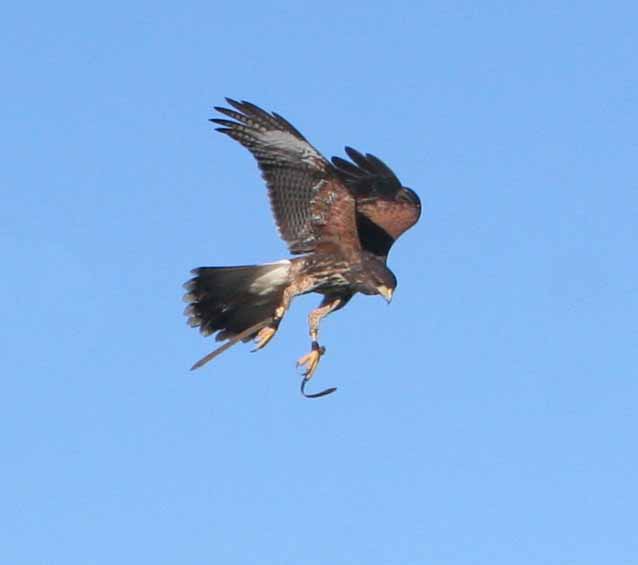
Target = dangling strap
(316,394)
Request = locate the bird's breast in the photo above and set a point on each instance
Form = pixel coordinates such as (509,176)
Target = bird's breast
(327,273)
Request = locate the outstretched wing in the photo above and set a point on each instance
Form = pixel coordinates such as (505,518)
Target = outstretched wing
(310,202)
(384,208)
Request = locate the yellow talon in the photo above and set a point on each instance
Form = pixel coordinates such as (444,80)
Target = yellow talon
(311,361)
(264,336)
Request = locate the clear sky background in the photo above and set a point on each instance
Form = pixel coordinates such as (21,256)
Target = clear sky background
(488,416)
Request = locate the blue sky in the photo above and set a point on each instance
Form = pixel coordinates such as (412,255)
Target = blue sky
(488,416)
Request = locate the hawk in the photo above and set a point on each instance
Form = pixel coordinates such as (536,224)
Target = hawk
(339,217)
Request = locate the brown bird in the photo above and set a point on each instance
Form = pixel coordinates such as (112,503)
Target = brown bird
(341,217)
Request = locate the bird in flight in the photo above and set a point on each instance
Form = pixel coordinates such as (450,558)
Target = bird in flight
(339,217)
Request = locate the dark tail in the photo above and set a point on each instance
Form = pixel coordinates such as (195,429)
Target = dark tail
(229,301)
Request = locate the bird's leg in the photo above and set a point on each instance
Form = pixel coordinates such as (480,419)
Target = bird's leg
(311,360)
(268,332)
(265,335)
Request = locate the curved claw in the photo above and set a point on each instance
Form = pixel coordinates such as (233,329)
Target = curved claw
(311,362)
(263,337)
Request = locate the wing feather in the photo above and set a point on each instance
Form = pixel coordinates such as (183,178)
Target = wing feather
(384,208)
(307,197)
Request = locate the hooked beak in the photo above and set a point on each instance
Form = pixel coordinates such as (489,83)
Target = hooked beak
(385,292)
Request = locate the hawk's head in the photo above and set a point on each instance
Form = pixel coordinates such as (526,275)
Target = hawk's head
(376,278)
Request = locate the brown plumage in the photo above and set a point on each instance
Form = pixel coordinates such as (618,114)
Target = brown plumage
(341,217)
